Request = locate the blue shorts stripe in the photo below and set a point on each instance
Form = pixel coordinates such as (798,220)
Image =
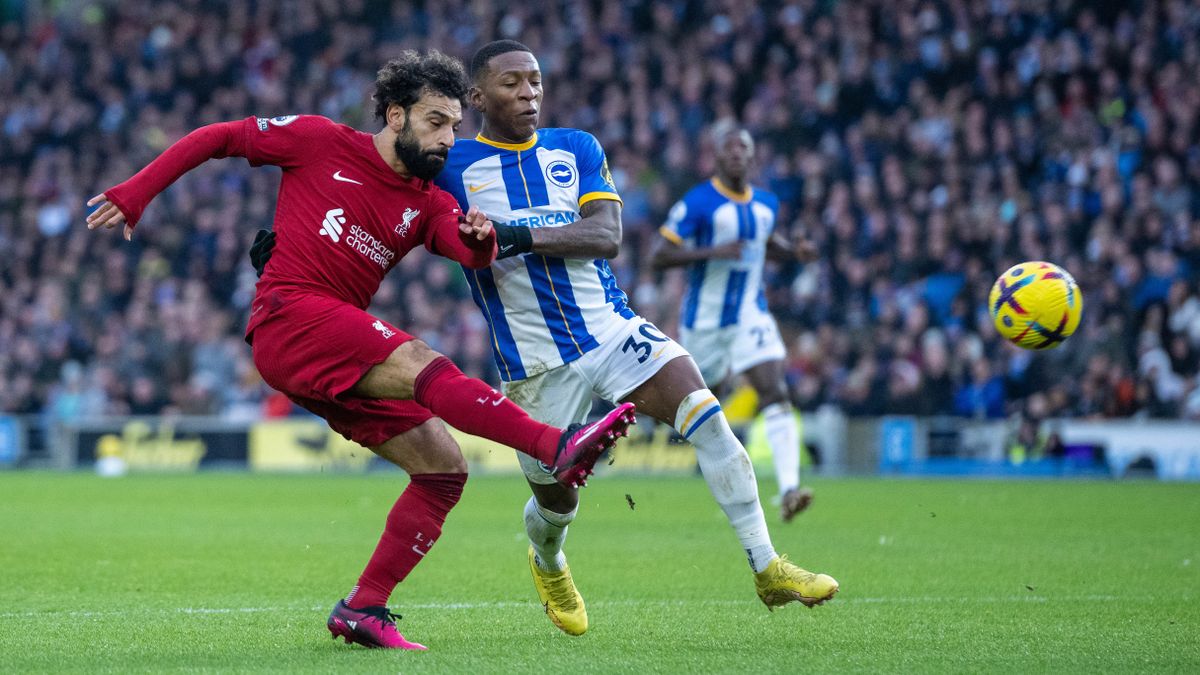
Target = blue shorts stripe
(570,307)
(547,287)
(734,292)
(612,292)
(535,177)
(504,347)
(747,228)
(691,302)
(514,185)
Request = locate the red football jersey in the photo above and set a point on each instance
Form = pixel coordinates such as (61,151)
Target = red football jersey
(344,217)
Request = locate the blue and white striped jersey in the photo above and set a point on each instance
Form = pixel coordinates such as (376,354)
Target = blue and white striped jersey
(710,214)
(543,312)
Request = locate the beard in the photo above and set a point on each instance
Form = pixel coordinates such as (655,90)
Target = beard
(422,163)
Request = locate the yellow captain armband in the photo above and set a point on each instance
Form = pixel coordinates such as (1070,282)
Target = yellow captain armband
(593,196)
(670,235)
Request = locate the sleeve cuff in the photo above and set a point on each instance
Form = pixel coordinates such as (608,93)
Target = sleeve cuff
(593,196)
(670,235)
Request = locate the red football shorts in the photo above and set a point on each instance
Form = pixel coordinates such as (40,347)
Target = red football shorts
(315,349)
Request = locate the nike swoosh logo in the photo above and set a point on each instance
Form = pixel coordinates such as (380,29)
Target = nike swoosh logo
(476,188)
(337,175)
(504,249)
(588,435)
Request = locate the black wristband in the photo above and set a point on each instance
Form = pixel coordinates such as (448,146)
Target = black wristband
(512,240)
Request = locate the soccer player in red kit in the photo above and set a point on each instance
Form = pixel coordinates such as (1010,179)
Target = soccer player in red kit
(350,205)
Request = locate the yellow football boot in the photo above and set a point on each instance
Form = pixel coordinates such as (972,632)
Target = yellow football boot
(561,600)
(782,582)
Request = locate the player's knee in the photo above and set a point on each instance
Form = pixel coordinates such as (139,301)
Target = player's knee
(446,459)
(772,395)
(413,356)
(454,464)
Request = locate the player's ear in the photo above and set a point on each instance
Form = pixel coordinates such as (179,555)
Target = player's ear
(475,98)
(395,116)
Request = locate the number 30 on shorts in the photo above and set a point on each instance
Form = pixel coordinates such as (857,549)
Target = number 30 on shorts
(642,348)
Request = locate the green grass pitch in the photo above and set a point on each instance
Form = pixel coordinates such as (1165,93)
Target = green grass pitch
(236,572)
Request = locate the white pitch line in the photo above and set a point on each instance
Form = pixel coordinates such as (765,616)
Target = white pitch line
(512,604)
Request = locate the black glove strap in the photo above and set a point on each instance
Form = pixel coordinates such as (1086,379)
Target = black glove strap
(260,250)
(512,240)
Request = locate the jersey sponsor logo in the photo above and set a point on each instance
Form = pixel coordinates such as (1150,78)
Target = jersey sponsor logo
(407,218)
(561,173)
(367,244)
(476,188)
(370,247)
(545,219)
(331,226)
(387,332)
(590,431)
(337,175)
(284,120)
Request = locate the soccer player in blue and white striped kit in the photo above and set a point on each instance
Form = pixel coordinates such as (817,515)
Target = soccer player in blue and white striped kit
(722,231)
(562,330)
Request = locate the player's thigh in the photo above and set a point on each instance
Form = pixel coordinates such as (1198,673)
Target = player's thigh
(642,366)
(395,377)
(369,422)
(426,448)
(317,348)
(712,350)
(558,397)
(769,382)
(660,396)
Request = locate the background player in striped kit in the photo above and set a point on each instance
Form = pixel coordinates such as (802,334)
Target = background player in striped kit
(723,230)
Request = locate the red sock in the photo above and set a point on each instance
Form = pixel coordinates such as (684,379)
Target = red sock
(413,525)
(471,406)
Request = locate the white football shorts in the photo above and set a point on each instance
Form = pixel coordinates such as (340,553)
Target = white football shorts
(631,351)
(724,352)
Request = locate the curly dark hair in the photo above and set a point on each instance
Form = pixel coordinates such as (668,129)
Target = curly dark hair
(404,78)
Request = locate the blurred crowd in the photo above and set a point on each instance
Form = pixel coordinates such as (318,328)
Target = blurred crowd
(925,146)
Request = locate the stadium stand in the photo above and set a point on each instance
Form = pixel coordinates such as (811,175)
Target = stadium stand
(926,146)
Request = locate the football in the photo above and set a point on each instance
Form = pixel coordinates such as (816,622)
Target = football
(1035,305)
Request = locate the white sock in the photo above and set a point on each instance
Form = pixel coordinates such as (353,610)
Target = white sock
(783,435)
(728,472)
(547,530)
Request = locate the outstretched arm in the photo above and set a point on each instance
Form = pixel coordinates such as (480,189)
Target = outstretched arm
(597,234)
(124,203)
(466,239)
(800,250)
(666,253)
